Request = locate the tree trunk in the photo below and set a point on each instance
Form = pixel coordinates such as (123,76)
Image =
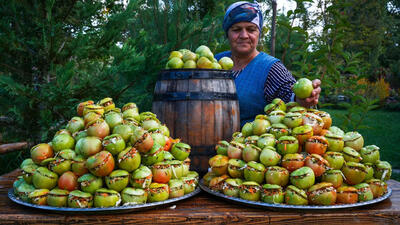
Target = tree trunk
(273,33)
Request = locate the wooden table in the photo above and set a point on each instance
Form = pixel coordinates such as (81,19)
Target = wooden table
(204,208)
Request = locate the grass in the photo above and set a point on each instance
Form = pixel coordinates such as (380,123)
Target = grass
(383,131)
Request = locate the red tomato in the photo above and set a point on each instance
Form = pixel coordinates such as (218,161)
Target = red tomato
(68,181)
(161,175)
(168,143)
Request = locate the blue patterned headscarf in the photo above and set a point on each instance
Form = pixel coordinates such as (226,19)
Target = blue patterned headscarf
(243,12)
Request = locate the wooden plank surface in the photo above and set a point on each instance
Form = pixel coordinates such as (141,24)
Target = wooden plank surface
(204,209)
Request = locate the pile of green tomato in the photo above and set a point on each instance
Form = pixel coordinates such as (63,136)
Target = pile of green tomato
(107,157)
(292,155)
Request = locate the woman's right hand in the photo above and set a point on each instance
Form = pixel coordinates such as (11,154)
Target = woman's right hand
(313,99)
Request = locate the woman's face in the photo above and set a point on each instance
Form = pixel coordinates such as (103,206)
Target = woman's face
(243,38)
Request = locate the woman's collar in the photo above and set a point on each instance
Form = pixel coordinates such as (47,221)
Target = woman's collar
(247,61)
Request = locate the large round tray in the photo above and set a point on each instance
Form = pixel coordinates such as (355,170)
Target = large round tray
(117,209)
(284,206)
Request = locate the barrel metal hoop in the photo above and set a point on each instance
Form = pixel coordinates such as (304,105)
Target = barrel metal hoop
(184,74)
(203,96)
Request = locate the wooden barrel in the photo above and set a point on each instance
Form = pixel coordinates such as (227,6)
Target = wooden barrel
(198,106)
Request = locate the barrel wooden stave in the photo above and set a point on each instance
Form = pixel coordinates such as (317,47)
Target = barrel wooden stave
(199,122)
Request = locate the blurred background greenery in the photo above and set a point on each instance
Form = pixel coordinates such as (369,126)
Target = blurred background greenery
(55,54)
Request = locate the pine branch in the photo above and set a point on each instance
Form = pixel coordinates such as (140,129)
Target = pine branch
(124,89)
(6,120)
(71,6)
(155,10)
(186,37)
(165,22)
(15,69)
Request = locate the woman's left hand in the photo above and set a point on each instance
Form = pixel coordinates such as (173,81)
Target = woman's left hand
(313,99)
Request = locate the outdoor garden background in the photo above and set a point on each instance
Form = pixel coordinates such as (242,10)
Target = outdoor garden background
(55,54)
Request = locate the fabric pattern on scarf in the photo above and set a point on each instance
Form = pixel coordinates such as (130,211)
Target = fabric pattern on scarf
(243,12)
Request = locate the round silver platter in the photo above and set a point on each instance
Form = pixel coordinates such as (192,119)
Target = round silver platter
(117,209)
(284,206)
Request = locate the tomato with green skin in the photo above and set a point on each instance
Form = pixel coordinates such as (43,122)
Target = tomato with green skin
(43,178)
(254,172)
(134,195)
(57,198)
(303,88)
(354,172)
(98,128)
(80,199)
(100,164)
(251,153)
(117,180)
(293,161)
(41,152)
(175,63)
(81,106)
(129,159)
(219,164)
(272,193)
(226,63)
(90,183)
(269,157)
(78,165)
(106,198)
(303,177)
(322,194)
(250,190)
(38,196)
(180,151)
(277,175)
(158,192)
(88,146)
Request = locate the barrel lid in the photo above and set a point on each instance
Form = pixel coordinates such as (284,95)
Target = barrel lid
(204,96)
(183,74)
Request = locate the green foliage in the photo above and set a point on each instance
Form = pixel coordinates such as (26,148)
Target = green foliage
(56,54)
(354,117)
(63,53)
(391,48)
(338,67)
(366,30)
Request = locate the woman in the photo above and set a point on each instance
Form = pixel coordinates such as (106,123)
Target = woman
(259,77)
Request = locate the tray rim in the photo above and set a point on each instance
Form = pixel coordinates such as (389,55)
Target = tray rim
(285,206)
(116,209)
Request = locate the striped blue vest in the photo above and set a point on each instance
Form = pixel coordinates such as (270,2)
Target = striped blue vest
(250,85)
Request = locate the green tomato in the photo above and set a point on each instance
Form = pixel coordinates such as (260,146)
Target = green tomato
(303,88)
